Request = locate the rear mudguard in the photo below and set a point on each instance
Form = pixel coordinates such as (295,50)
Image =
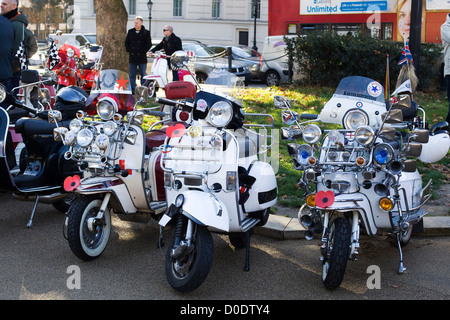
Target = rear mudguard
(203,208)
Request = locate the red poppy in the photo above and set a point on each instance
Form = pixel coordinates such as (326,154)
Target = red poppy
(324,199)
(71,183)
(176,130)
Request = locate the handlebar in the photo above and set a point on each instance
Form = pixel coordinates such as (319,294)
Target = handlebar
(10,100)
(309,116)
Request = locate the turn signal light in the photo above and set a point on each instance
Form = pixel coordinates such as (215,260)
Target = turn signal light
(385,204)
(311,200)
(360,161)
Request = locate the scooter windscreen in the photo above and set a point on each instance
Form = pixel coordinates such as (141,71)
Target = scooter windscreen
(357,101)
(112,81)
(216,102)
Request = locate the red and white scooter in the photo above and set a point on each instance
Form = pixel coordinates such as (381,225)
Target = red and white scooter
(158,73)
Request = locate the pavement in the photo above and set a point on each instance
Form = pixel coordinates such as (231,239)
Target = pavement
(289,228)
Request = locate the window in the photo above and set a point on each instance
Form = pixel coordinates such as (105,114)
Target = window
(256,3)
(216,8)
(132,7)
(177,8)
(292,28)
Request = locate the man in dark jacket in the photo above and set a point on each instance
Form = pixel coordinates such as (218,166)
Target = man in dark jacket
(137,43)
(6,52)
(20,22)
(169,44)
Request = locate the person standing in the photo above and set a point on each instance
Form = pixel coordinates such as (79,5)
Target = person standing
(21,33)
(6,50)
(445,36)
(169,44)
(137,43)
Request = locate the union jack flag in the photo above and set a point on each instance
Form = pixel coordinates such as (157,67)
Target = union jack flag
(406,55)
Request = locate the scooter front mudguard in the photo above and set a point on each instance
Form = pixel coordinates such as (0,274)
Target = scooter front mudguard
(114,186)
(203,208)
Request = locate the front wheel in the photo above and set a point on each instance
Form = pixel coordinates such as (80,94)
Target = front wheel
(272,78)
(337,253)
(187,271)
(87,235)
(151,87)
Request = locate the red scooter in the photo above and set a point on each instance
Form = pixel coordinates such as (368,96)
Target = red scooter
(66,69)
(89,67)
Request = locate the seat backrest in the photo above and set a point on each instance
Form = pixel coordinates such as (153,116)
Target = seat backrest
(180,90)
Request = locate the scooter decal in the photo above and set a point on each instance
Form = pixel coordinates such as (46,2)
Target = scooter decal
(374,89)
(359,104)
(175,131)
(71,183)
(122,83)
(324,199)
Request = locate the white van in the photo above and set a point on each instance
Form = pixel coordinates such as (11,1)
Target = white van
(274,60)
(82,38)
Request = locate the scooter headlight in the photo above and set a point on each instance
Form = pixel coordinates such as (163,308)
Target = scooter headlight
(85,137)
(364,135)
(106,107)
(304,152)
(102,141)
(220,114)
(355,119)
(383,153)
(311,133)
(109,128)
(76,125)
(69,137)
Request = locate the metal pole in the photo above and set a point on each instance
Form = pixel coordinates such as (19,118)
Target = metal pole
(416,32)
(254,29)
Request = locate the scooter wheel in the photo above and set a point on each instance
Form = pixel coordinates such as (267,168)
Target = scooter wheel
(188,271)
(151,87)
(88,241)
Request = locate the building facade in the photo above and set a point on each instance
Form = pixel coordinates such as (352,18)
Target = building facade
(387,19)
(224,22)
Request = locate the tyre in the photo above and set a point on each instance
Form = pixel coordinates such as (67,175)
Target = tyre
(188,271)
(152,88)
(338,251)
(272,78)
(64,204)
(88,243)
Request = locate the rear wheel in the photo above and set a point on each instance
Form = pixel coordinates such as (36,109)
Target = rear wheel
(337,253)
(272,78)
(87,235)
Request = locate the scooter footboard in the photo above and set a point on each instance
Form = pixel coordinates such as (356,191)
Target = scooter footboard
(203,208)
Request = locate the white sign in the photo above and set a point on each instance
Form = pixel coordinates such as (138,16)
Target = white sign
(308,7)
(437,5)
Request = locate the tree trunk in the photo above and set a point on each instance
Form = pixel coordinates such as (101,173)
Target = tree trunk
(111,33)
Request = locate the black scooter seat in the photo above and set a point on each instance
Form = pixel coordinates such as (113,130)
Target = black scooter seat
(29,126)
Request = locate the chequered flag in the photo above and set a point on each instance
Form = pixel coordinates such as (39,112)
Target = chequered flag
(22,57)
(53,57)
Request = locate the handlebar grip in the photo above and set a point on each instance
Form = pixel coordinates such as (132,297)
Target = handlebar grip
(168,101)
(10,100)
(308,116)
(156,113)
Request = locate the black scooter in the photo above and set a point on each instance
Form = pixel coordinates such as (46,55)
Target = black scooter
(43,167)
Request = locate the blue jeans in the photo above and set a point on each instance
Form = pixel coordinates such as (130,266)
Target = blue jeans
(133,73)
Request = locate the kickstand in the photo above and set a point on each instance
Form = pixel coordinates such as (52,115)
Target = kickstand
(30,222)
(401,268)
(248,234)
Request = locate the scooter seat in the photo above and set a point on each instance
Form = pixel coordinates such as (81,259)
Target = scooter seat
(16,113)
(180,90)
(29,126)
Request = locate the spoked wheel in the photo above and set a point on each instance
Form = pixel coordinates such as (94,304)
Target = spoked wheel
(87,235)
(337,253)
(188,267)
(151,87)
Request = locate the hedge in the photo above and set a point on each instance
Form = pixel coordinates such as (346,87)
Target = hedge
(325,58)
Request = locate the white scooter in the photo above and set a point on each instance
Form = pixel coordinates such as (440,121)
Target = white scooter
(361,175)
(214,182)
(157,78)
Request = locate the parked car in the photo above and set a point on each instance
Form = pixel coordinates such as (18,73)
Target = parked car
(207,60)
(82,38)
(274,61)
(243,54)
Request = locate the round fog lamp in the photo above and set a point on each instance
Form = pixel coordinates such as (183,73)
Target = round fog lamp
(385,204)
(311,200)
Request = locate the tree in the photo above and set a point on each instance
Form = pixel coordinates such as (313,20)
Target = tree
(111,23)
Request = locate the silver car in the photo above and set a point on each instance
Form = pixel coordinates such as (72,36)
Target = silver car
(207,60)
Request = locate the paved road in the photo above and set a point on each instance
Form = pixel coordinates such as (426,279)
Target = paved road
(37,263)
